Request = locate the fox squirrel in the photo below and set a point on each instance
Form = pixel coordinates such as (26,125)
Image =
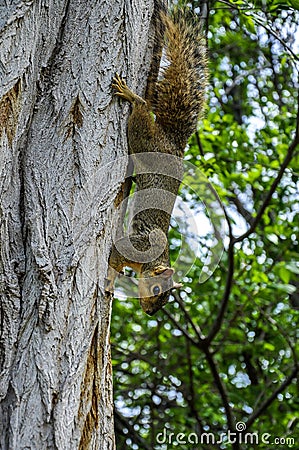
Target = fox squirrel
(160,126)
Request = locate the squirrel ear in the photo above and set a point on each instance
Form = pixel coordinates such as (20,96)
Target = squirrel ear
(164,271)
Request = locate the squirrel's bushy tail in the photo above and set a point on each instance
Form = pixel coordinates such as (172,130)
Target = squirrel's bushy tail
(178,99)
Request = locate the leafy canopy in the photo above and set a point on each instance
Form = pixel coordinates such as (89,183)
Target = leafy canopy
(225,351)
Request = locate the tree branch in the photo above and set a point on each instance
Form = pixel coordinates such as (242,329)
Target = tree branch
(272,397)
(229,282)
(275,183)
(121,420)
(191,399)
(178,325)
(284,334)
(222,392)
(199,144)
(241,208)
(196,329)
(269,195)
(260,22)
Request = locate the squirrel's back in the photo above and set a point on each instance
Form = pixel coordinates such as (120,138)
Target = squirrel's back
(177,97)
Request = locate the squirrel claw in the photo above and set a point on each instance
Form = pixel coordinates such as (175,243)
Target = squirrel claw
(118,83)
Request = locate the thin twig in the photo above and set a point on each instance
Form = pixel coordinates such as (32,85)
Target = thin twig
(284,334)
(228,286)
(197,330)
(268,198)
(270,193)
(178,325)
(262,24)
(272,397)
(191,399)
(222,391)
(199,144)
(241,208)
(132,433)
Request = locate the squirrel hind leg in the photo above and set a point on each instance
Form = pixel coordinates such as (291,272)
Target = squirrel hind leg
(122,90)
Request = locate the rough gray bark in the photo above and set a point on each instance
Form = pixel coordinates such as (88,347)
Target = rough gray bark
(61,134)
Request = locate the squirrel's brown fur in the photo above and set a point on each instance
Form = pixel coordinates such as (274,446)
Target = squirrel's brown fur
(179,94)
(177,101)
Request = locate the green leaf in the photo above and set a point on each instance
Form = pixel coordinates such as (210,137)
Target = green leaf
(268,346)
(284,274)
(244,137)
(294,3)
(288,288)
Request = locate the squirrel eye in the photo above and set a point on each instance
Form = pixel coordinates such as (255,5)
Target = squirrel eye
(156,290)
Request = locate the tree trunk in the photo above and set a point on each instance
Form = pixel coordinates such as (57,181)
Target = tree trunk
(63,147)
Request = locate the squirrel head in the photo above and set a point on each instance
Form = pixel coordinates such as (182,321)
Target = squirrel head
(155,287)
